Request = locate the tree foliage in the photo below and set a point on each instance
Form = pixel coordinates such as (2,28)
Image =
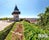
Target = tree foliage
(44,18)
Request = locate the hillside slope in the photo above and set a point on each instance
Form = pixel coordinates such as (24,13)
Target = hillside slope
(30,32)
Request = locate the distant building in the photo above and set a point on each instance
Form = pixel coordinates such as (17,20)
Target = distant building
(15,14)
(31,20)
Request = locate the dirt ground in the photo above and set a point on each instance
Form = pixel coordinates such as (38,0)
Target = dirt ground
(17,34)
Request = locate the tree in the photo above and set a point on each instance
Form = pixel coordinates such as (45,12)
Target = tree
(44,18)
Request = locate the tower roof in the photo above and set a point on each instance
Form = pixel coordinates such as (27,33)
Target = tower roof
(16,10)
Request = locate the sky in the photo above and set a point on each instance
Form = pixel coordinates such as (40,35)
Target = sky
(28,8)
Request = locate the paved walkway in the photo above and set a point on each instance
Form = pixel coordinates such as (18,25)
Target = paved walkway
(4,24)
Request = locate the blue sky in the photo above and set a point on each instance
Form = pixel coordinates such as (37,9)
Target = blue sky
(28,8)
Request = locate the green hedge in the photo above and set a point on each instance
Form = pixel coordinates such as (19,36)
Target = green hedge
(5,32)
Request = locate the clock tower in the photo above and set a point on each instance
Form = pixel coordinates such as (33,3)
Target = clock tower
(15,14)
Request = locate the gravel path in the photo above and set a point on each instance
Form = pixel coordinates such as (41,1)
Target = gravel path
(18,32)
(4,24)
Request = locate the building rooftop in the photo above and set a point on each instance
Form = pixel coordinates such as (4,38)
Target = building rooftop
(16,11)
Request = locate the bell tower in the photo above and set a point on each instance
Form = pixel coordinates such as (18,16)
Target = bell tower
(16,13)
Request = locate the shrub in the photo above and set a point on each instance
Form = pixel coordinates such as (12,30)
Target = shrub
(31,32)
(21,19)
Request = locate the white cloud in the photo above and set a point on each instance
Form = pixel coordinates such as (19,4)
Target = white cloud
(22,16)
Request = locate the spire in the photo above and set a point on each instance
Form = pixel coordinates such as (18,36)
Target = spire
(16,8)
